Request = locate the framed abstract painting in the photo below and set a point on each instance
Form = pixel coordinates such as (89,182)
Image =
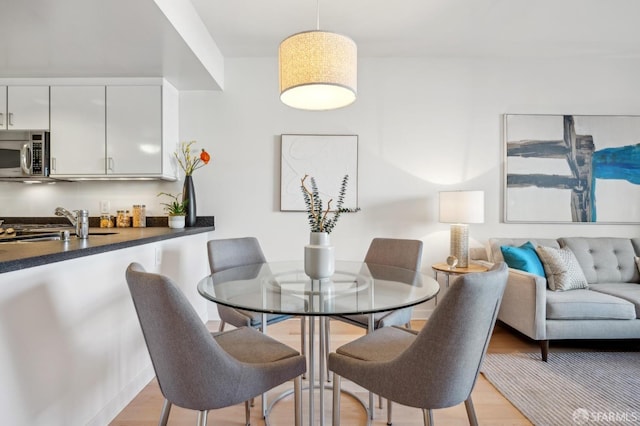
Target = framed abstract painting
(327,158)
(572,169)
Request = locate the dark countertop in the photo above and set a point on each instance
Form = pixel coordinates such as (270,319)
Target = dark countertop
(19,255)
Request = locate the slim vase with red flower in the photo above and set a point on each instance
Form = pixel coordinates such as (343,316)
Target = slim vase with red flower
(190,162)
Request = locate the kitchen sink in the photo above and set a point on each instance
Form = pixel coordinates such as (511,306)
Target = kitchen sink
(35,240)
(34,237)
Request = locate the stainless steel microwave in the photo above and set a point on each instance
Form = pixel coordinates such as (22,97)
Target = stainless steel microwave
(24,154)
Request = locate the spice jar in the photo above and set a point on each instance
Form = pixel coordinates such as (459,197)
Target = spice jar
(106,221)
(139,216)
(123,219)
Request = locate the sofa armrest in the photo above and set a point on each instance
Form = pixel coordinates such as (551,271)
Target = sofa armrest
(524,304)
(484,263)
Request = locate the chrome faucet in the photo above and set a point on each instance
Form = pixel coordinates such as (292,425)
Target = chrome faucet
(80,220)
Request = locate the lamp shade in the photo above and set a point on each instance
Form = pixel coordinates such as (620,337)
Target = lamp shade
(318,70)
(462,206)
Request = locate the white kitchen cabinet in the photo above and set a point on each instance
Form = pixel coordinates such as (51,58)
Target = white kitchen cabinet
(114,131)
(134,130)
(3,107)
(78,130)
(24,107)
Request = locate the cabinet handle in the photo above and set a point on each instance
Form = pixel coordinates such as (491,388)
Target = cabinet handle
(10,119)
(1,119)
(53,164)
(110,164)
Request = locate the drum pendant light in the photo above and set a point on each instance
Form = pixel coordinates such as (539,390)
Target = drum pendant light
(318,70)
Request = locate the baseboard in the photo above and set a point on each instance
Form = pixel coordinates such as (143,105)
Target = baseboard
(123,398)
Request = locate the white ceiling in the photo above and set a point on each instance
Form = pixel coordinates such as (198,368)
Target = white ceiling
(505,28)
(132,38)
(95,38)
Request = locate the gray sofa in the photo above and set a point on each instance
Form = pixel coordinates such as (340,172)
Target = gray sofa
(608,309)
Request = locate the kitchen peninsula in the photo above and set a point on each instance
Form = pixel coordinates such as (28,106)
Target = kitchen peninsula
(19,255)
(71,349)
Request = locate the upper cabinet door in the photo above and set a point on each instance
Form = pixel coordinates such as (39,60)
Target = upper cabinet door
(134,130)
(78,130)
(3,107)
(27,108)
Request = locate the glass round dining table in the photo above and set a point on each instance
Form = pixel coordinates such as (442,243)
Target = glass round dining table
(284,288)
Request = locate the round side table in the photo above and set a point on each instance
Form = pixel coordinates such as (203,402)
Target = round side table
(443,268)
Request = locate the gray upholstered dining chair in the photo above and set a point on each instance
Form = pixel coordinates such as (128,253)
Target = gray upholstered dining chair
(232,253)
(401,253)
(199,370)
(436,367)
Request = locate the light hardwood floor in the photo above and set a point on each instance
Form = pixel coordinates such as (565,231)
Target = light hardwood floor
(491,407)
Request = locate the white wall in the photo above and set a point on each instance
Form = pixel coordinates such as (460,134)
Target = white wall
(424,125)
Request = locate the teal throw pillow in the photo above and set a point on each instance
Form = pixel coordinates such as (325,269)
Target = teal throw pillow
(523,258)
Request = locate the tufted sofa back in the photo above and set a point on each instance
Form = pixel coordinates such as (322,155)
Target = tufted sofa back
(495,254)
(605,260)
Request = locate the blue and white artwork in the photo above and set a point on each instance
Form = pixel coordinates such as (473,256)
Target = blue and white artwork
(572,168)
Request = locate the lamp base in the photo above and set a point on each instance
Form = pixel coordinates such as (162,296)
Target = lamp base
(460,244)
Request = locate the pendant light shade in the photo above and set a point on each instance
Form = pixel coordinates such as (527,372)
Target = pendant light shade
(318,70)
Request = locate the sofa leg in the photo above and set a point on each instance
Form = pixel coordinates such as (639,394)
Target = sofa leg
(544,348)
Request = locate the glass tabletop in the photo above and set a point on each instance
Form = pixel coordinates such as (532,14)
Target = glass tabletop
(284,288)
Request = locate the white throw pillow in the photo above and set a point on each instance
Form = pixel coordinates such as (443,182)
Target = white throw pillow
(561,268)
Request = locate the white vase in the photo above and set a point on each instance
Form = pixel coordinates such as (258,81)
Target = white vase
(319,256)
(176,222)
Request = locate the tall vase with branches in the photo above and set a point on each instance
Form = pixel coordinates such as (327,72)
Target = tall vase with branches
(319,217)
(319,257)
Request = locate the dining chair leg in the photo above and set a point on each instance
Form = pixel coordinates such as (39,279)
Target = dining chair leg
(372,408)
(221,326)
(427,417)
(164,416)
(303,343)
(379,402)
(370,329)
(389,405)
(297,400)
(471,412)
(202,418)
(336,400)
(247,414)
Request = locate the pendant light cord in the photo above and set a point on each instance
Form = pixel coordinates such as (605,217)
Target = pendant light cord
(318,15)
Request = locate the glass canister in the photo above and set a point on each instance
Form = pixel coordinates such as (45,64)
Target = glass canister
(123,219)
(106,221)
(139,216)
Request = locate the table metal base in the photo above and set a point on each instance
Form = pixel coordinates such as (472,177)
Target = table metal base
(288,392)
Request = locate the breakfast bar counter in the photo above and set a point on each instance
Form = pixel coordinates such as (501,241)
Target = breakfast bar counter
(20,255)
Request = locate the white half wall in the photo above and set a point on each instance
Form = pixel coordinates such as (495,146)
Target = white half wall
(71,347)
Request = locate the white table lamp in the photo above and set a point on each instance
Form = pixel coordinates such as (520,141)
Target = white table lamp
(459,208)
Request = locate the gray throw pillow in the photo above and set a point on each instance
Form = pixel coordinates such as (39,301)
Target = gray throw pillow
(561,268)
